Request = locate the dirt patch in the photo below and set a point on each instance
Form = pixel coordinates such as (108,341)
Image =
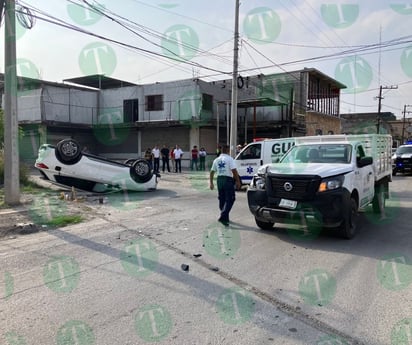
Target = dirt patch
(38,212)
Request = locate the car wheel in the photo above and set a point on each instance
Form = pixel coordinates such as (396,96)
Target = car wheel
(349,225)
(379,196)
(264,225)
(394,171)
(141,171)
(68,151)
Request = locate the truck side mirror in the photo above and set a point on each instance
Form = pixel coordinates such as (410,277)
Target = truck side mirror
(364,161)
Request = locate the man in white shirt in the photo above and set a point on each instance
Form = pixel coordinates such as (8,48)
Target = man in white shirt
(178,158)
(227,176)
(156,159)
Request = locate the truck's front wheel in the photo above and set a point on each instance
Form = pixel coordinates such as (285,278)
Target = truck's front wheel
(349,225)
(264,225)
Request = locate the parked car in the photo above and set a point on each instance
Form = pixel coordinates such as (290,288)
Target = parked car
(66,164)
(402,159)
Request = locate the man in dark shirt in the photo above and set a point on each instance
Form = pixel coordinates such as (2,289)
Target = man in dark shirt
(164,152)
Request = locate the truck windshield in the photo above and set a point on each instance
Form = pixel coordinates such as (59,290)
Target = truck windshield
(404,149)
(315,153)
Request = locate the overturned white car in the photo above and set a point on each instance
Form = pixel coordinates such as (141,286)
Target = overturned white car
(66,164)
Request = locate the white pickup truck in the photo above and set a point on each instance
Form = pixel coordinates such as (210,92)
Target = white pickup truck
(324,181)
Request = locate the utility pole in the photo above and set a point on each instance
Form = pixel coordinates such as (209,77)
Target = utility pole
(380,103)
(404,118)
(11,149)
(233,113)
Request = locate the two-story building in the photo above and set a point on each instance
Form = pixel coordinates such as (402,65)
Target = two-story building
(119,119)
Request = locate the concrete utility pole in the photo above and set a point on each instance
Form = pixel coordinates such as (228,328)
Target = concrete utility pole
(380,103)
(404,118)
(11,148)
(233,114)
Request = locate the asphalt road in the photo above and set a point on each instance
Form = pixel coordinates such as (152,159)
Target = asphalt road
(158,268)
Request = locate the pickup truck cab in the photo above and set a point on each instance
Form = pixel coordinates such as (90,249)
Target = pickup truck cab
(323,181)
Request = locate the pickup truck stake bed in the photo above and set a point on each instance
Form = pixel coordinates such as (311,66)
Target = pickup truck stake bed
(324,181)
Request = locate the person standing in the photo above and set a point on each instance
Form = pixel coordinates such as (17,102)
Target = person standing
(156,159)
(172,158)
(202,159)
(224,167)
(165,158)
(178,153)
(195,157)
(149,157)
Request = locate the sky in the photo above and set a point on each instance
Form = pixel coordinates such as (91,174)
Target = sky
(366,45)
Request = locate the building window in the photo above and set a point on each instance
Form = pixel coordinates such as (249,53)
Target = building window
(154,103)
(207,102)
(131,110)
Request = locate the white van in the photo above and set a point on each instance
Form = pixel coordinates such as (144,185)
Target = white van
(258,153)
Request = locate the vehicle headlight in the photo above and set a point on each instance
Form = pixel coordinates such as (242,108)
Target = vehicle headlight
(331,184)
(258,182)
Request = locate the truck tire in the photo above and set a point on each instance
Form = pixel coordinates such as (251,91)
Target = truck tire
(349,224)
(141,171)
(264,225)
(379,195)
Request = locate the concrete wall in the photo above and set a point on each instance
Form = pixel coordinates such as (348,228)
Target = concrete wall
(318,122)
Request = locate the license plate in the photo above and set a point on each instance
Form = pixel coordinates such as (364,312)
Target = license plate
(288,203)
